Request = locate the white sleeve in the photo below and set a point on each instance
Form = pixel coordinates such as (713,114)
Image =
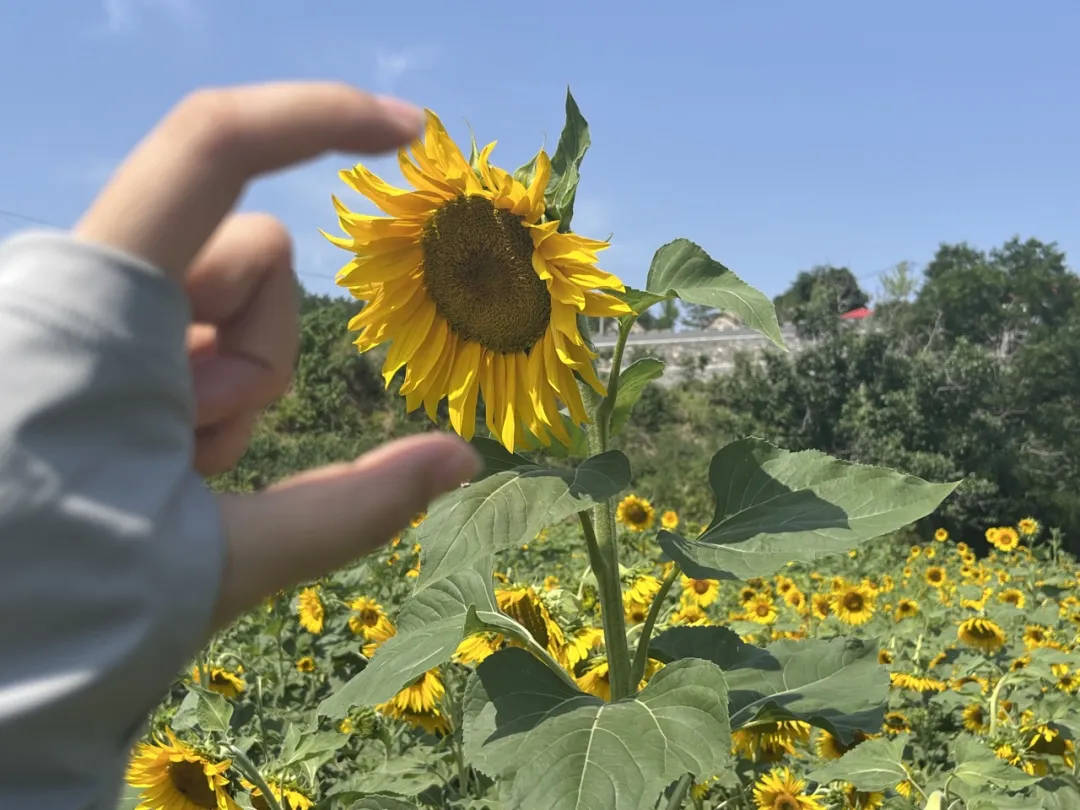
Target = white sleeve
(111,548)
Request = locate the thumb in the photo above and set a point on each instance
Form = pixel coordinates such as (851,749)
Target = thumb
(321,519)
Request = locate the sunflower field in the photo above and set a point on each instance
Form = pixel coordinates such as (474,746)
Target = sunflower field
(548,637)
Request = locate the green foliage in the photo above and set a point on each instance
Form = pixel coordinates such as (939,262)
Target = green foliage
(773,506)
(817,297)
(683,270)
(566,750)
(873,765)
(566,165)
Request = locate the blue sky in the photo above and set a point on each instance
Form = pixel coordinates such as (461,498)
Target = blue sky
(778,135)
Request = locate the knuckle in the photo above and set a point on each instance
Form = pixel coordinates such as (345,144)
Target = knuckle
(209,120)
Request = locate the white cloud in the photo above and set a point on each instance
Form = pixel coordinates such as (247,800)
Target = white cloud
(125,16)
(391,65)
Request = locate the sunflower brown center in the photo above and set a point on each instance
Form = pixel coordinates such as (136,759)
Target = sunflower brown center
(853,602)
(635,513)
(478,271)
(701,586)
(190,780)
(785,802)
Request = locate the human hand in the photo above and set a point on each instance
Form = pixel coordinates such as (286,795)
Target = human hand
(169,204)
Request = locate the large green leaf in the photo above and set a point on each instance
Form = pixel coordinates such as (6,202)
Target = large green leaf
(632,382)
(978,766)
(640,300)
(430,627)
(566,165)
(565,750)
(774,506)
(509,508)
(685,270)
(203,710)
(835,684)
(876,764)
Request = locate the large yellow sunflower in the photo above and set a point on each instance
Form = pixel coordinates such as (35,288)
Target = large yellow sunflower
(780,790)
(475,292)
(229,684)
(174,776)
(853,604)
(370,620)
(769,741)
(521,602)
(289,798)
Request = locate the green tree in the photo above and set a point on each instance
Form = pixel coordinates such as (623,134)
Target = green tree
(817,297)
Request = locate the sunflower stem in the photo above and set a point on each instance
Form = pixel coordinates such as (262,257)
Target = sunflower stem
(247,767)
(679,794)
(609,592)
(641,657)
(607,405)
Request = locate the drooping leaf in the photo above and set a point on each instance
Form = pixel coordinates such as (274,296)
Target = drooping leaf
(407,774)
(774,506)
(978,766)
(431,626)
(203,710)
(566,164)
(565,750)
(876,764)
(685,270)
(632,382)
(509,508)
(835,684)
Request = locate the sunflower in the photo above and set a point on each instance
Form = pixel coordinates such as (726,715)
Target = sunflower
(596,680)
(702,592)
(690,614)
(289,798)
(905,609)
(669,519)
(1028,526)
(975,719)
(941,535)
(476,294)
(222,681)
(769,741)
(369,620)
(853,604)
(305,664)
(916,683)
(884,657)
(477,647)
(1004,538)
(521,603)
(822,605)
(174,776)
(420,704)
(635,513)
(761,610)
(310,609)
(780,790)
(579,647)
(643,589)
(935,576)
(828,746)
(1012,596)
(895,723)
(983,634)
(862,799)
(1035,635)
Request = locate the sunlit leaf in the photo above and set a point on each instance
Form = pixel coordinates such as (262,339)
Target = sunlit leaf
(876,764)
(509,508)
(565,750)
(685,270)
(835,684)
(774,506)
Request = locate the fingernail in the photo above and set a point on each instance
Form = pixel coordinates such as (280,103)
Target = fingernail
(408,116)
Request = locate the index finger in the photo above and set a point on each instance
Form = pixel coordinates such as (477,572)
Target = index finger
(180,181)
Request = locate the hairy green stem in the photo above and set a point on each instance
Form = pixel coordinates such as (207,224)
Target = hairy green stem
(994,698)
(247,767)
(679,794)
(607,405)
(609,591)
(641,657)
